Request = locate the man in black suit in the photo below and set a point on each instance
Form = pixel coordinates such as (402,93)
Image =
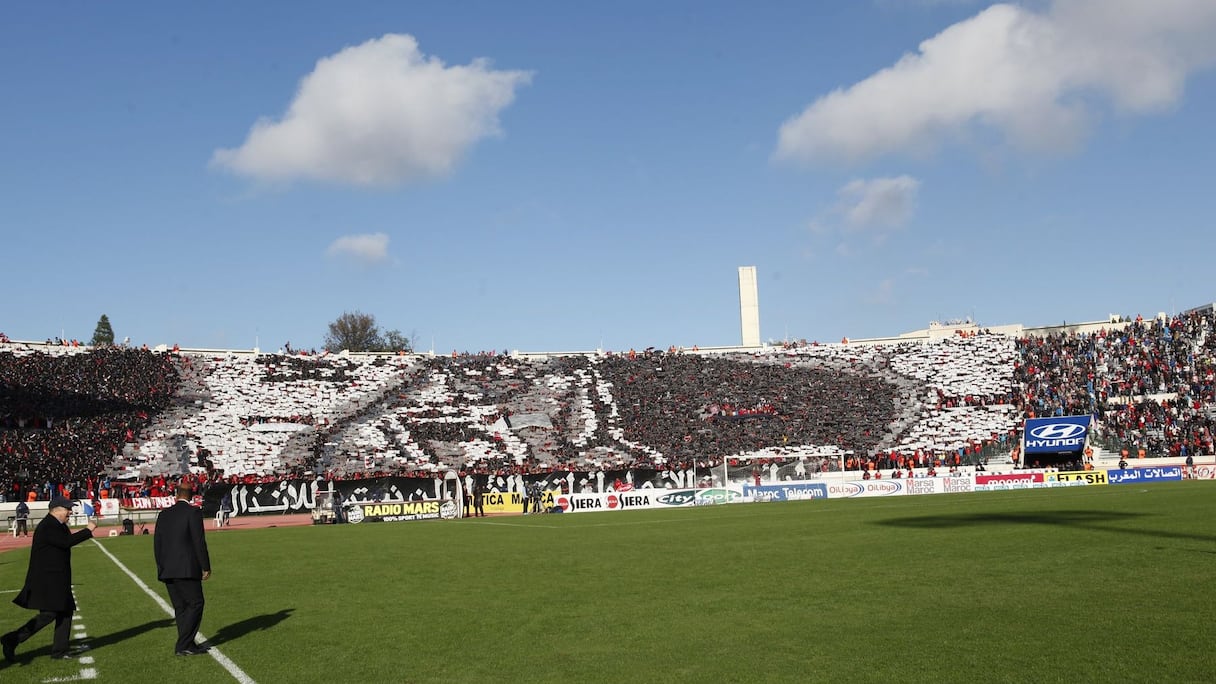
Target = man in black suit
(48,581)
(182,563)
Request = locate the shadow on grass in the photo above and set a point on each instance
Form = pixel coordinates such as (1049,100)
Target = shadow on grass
(124,634)
(1086,520)
(91,643)
(254,624)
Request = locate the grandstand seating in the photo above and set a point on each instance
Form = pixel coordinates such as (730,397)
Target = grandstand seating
(70,413)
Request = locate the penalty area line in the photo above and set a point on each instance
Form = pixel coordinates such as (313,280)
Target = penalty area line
(237,673)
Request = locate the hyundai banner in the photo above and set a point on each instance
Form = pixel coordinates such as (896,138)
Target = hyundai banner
(1064,434)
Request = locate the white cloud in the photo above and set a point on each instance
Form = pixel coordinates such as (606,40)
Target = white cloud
(868,210)
(379,113)
(1031,76)
(878,205)
(882,294)
(371,248)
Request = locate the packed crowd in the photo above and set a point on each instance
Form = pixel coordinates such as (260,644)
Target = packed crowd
(65,416)
(1151,383)
(70,416)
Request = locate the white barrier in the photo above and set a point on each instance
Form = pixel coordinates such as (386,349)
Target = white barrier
(852,489)
(647,498)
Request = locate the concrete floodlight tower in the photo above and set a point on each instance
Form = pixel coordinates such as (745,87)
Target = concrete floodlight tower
(749,306)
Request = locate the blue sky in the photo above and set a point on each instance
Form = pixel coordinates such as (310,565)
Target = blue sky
(572,176)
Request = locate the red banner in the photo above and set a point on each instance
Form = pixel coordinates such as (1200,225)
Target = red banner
(147,503)
(1008,478)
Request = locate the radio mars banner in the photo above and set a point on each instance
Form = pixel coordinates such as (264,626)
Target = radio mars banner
(402,511)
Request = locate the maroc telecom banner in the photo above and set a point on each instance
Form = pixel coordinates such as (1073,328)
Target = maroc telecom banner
(399,511)
(647,498)
(1142,475)
(791,491)
(1065,434)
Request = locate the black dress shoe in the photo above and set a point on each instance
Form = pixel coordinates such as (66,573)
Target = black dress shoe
(193,650)
(9,642)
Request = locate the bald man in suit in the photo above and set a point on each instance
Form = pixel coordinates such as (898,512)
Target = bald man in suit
(182,563)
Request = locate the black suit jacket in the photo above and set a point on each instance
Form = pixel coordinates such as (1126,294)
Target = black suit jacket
(48,582)
(179,544)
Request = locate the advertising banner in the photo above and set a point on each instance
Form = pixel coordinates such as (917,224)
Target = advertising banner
(1089,477)
(1142,475)
(793,491)
(865,488)
(1009,481)
(147,503)
(956,484)
(647,498)
(433,509)
(926,485)
(513,502)
(1065,434)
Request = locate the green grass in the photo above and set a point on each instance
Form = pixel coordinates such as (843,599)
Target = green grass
(1079,584)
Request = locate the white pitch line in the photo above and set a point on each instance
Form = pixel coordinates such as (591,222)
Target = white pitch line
(502,524)
(237,673)
(85,674)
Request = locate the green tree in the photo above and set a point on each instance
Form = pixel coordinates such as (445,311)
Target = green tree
(354,331)
(394,341)
(103,334)
(358,332)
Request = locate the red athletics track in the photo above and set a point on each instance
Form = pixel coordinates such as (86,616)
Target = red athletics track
(249,522)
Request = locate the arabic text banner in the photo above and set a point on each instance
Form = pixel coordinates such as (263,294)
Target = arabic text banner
(1142,475)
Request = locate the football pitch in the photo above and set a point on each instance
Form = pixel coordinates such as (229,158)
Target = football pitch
(1099,583)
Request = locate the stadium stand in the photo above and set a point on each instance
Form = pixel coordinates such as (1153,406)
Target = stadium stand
(72,417)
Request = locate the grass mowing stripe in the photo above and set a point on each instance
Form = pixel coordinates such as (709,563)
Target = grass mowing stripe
(237,673)
(1077,584)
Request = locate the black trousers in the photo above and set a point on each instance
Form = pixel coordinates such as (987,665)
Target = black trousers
(22,530)
(63,625)
(186,595)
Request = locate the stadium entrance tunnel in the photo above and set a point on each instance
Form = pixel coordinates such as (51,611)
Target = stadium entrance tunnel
(1068,460)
